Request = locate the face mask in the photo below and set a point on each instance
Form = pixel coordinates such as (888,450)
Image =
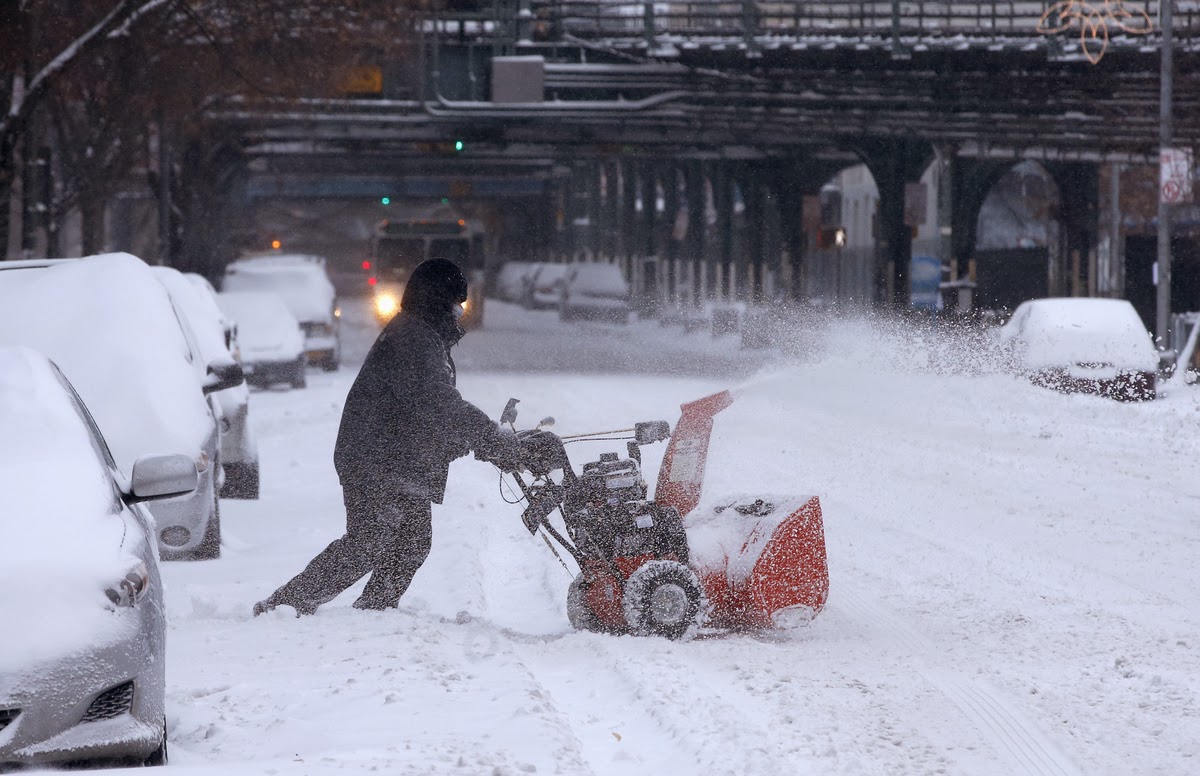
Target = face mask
(457,310)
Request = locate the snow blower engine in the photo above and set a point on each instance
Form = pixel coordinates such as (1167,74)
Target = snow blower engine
(632,553)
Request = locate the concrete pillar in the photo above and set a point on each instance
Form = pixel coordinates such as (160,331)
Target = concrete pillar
(750,286)
(595,209)
(696,241)
(723,201)
(671,213)
(647,286)
(628,229)
(1079,196)
(895,243)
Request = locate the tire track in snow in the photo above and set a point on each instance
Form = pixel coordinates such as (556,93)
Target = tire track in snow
(634,705)
(1011,733)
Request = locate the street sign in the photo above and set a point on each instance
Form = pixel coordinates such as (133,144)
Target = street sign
(1175,175)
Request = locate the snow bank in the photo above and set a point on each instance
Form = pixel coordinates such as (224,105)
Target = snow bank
(267,330)
(60,531)
(110,327)
(299,280)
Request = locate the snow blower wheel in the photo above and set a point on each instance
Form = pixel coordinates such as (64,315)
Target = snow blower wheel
(662,598)
(581,616)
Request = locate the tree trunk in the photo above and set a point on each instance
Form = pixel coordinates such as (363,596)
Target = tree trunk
(91,210)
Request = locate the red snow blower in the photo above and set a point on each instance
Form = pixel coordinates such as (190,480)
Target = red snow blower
(667,566)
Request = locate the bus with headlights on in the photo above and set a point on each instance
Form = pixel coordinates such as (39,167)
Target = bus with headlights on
(399,245)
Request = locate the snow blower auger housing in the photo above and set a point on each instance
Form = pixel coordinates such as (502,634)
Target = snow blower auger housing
(643,568)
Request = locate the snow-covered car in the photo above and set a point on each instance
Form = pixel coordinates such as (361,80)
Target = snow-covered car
(513,280)
(269,338)
(110,326)
(304,285)
(595,292)
(82,662)
(1079,345)
(213,336)
(543,290)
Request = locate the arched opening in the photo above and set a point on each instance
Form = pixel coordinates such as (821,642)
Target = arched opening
(1019,238)
(841,257)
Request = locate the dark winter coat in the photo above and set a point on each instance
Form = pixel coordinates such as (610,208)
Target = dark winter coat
(404,420)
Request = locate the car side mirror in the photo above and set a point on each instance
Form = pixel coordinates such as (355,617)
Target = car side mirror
(223,376)
(162,476)
(651,431)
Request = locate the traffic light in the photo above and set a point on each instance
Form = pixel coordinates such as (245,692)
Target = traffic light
(458,145)
(276,244)
(385,200)
(831,237)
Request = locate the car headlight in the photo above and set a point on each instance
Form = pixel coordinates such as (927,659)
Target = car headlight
(386,304)
(466,305)
(130,589)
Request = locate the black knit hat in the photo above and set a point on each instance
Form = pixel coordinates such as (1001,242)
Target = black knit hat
(436,283)
(432,291)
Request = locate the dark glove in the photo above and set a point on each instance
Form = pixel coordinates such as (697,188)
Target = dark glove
(502,449)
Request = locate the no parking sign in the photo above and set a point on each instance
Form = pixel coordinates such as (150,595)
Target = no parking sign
(1175,175)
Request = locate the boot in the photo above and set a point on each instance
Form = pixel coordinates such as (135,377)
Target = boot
(278,599)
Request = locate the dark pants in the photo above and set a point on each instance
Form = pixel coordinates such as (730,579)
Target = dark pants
(387,535)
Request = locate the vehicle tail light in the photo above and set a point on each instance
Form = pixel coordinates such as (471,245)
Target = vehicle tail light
(131,588)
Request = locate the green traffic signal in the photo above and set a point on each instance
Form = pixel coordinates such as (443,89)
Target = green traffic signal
(458,145)
(386,201)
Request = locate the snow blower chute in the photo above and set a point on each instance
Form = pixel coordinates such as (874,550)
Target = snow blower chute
(663,567)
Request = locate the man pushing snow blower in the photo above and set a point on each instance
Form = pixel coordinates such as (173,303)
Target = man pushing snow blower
(403,423)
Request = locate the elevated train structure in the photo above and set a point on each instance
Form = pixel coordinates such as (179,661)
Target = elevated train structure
(584,111)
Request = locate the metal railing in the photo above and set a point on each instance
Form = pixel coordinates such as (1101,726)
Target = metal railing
(913,20)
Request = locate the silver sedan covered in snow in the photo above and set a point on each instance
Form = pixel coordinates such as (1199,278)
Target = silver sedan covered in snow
(82,667)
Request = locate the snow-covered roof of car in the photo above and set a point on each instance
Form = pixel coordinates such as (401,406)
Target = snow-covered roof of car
(597,277)
(303,285)
(1058,332)
(202,313)
(109,325)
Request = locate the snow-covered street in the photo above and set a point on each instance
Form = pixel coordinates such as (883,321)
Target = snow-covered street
(1013,582)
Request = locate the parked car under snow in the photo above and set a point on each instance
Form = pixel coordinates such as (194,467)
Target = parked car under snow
(270,341)
(1078,345)
(213,336)
(82,662)
(110,326)
(512,281)
(304,286)
(543,289)
(595,292)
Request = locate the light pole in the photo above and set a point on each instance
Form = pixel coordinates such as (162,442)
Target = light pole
(1166,79)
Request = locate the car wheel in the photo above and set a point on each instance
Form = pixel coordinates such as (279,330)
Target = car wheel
(159,755)
(210,545)
(300,379)
(241,481)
